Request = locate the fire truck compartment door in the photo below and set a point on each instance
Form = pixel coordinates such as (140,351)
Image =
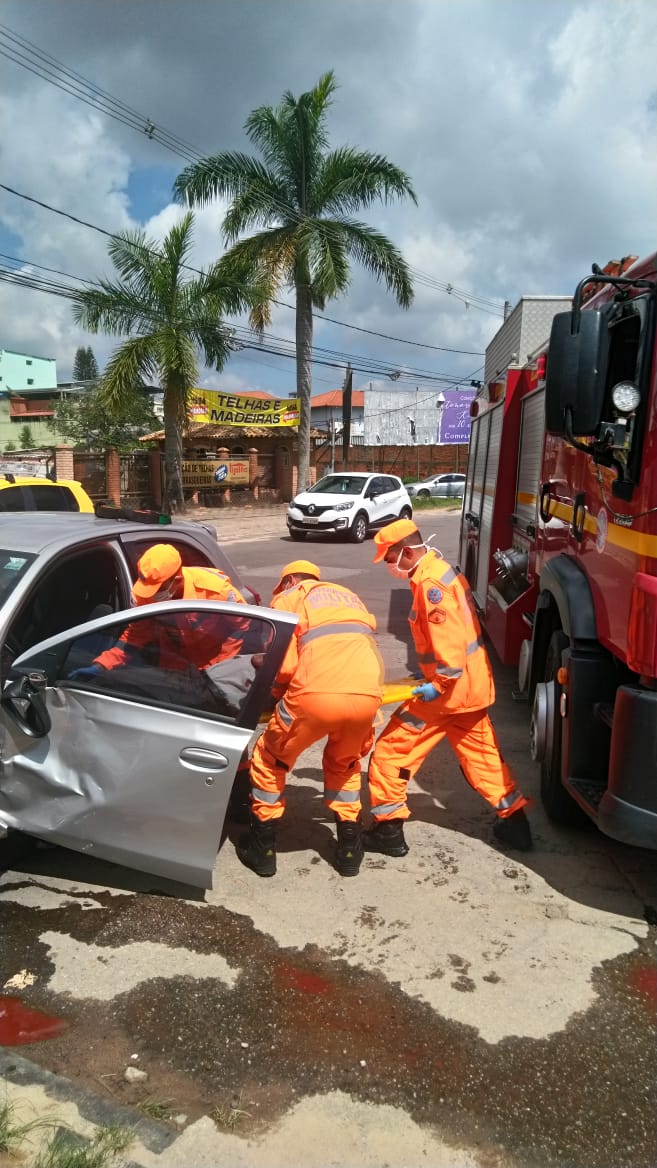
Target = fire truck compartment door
(532,435)
(483,499)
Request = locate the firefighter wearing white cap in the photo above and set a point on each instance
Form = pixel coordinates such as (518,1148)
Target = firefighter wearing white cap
(330,684)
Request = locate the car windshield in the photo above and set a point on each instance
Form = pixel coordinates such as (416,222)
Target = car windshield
(338,485)
(13,566)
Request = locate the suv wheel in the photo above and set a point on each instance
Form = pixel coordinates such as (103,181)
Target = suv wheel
(296,534)
(358,529)
(405,513)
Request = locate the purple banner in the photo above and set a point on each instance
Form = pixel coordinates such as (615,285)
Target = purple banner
(454,422)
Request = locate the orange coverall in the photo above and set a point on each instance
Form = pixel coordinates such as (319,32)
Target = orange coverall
(331,680)
(451,655)
(191,639)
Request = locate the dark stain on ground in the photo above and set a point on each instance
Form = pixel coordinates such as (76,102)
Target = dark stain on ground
(303,1023)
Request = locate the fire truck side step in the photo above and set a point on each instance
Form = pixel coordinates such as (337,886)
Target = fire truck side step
(587,792)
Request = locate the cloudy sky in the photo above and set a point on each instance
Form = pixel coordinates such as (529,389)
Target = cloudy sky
(527,127)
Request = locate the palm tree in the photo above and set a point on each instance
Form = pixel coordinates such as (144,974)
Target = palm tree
(303,196)
(170,320)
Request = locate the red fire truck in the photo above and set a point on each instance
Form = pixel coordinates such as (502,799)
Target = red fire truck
(559,544)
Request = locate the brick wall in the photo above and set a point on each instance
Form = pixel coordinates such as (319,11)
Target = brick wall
(407,462)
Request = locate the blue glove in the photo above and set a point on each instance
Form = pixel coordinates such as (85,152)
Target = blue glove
(84,674)
(426,692)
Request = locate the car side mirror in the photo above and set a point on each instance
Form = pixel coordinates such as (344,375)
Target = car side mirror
(24,699)
(576,373)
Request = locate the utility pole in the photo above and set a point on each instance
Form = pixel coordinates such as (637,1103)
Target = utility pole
(417,447)
(346,415)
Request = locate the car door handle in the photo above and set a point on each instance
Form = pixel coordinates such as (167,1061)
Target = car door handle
(198,759)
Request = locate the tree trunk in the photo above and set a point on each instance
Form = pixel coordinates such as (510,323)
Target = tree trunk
(173,491)
(304,337)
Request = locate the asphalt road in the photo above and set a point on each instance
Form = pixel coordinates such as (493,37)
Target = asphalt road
(460,1007)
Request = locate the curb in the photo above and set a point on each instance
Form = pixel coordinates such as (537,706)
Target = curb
(21,1072)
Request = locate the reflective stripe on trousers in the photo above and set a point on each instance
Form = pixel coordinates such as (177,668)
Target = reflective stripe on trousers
(408,739)
(295,725)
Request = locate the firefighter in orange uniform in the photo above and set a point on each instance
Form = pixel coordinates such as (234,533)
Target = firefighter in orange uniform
(451,703)
(330,684)
(161,576)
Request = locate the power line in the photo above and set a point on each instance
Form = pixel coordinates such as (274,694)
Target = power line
(373,365)
(50,69)
(279,303)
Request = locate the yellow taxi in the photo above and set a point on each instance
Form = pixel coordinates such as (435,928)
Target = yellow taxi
(28,493)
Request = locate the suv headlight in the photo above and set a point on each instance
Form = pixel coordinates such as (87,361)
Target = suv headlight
(343,506)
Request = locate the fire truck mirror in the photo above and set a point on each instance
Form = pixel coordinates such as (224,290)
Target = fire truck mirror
(576,373)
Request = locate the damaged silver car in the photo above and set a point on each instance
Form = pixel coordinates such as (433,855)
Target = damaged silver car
(134,764)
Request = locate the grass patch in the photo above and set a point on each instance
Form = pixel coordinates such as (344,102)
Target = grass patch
(65,1151)
(229,1115)
(13,1133)
(157,1108)
(437,504)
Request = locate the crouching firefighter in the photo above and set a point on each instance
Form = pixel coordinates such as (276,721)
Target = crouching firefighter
(330,684)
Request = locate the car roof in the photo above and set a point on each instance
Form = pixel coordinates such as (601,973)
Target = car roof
(34,481)
(348,474)
(36,531)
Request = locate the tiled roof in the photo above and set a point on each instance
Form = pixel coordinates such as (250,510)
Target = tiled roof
(210,430)
(334,398)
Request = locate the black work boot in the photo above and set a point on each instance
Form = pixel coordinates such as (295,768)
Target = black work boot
(514,831)
(349,852)
(257,848)
(387,836)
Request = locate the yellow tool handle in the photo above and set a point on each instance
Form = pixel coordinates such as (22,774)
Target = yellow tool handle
(393,692)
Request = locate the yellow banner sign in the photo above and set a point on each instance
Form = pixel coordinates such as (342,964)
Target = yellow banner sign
(229,409)
(210,473)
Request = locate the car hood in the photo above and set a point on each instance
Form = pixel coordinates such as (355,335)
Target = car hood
(325,499)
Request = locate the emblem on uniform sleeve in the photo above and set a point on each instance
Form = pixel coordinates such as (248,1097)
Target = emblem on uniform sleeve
(434,595)
(437,616)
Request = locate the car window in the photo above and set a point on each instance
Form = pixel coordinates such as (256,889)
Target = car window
(378,485)
(393,484)
(13,566)
(188,659)
(339,485)
(38,497)
(75,589)
(192,556)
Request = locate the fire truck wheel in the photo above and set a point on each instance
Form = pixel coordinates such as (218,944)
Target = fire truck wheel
(558,804)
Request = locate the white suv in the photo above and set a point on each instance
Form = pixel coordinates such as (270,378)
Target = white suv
(349,502)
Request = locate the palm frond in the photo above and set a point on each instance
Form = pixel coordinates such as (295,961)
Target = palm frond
(258,205)
(115,309)
(327,261)
(349,179)
(134,362)
(226,174)
(377,254)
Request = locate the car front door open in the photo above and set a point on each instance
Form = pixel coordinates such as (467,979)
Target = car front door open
(134,762)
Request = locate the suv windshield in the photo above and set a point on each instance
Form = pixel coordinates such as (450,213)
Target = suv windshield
(13,566)
(338,485)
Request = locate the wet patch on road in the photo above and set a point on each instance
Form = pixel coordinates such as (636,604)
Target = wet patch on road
(299,1023)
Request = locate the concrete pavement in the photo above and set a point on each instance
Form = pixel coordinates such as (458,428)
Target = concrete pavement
(461,1007)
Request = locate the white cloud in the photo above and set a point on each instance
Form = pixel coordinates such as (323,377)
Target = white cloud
(528,130)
